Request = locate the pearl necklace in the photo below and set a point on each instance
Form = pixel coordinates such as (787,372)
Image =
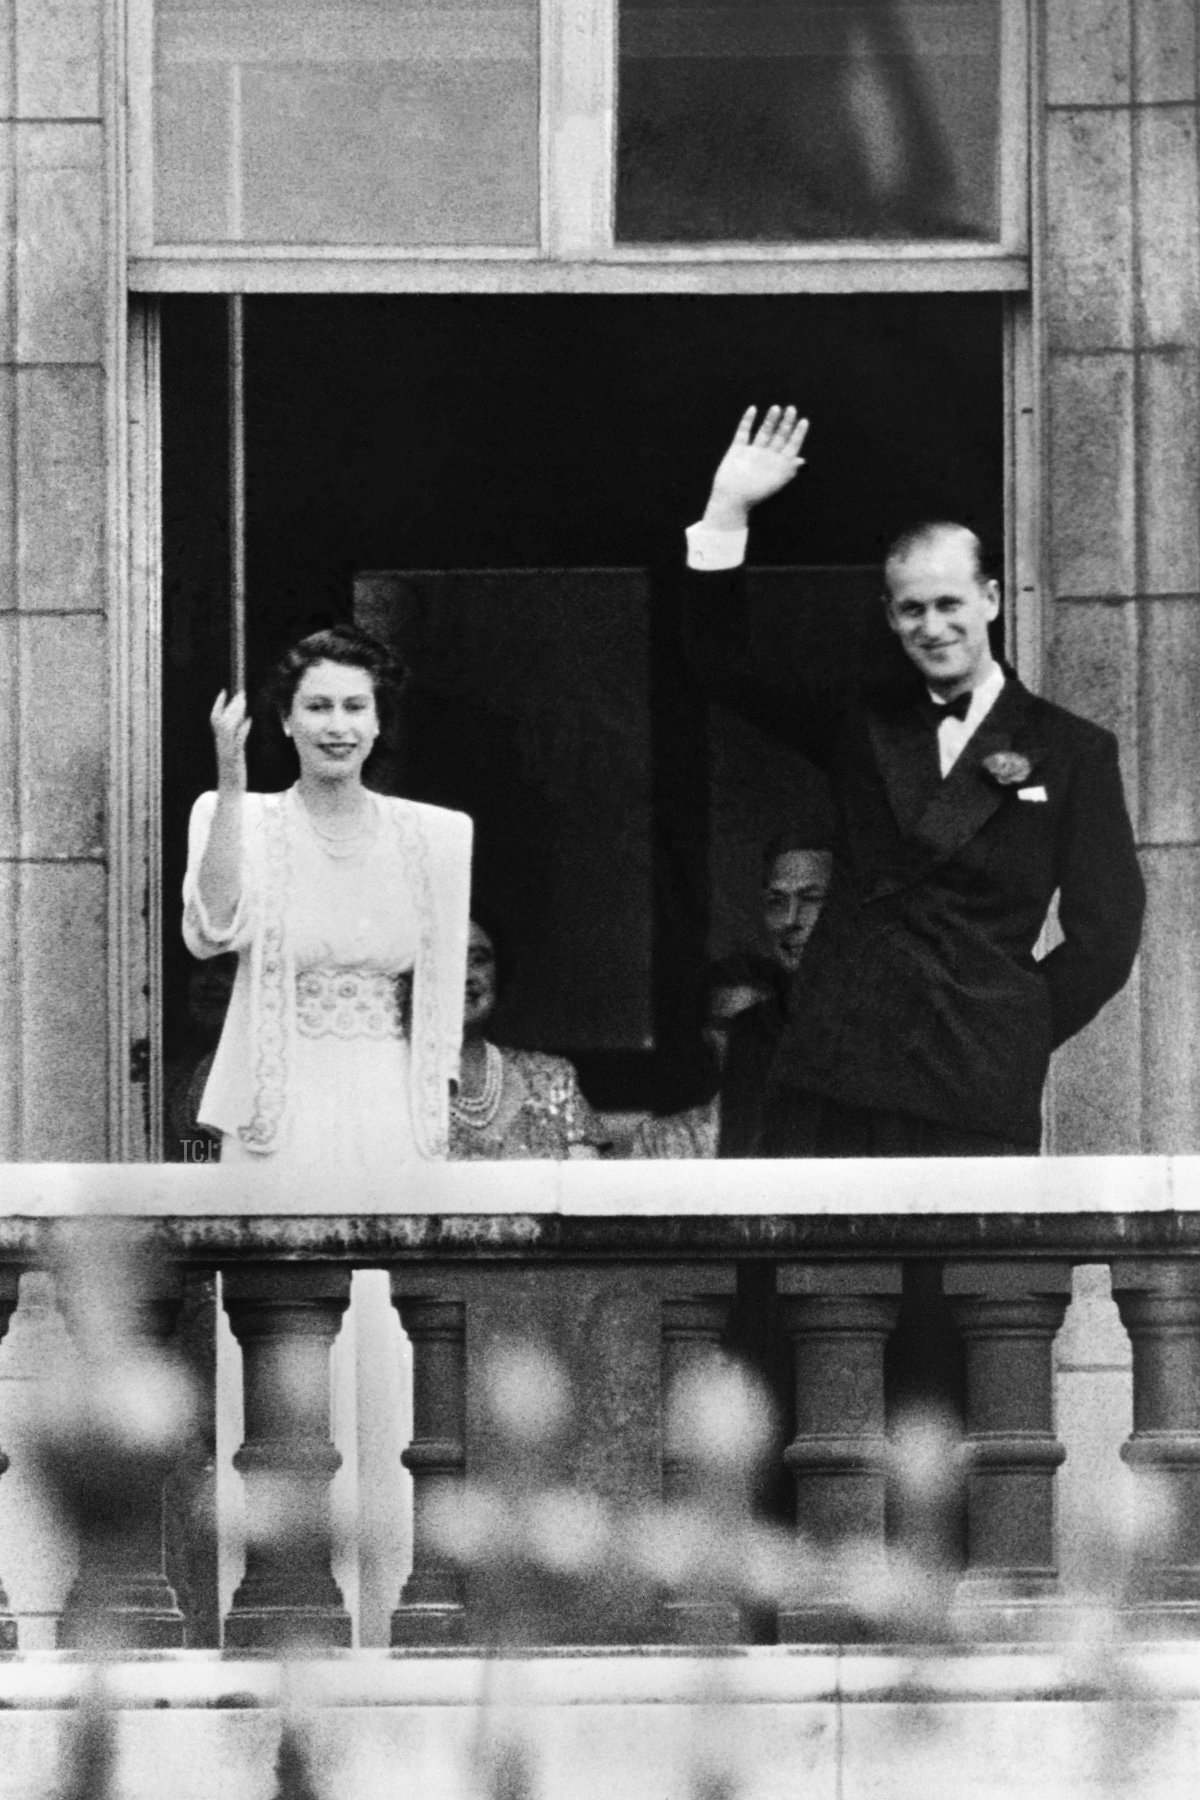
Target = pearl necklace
(342,845)
(476,1111)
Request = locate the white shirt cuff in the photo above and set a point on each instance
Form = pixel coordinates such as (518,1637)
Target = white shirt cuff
(709,548)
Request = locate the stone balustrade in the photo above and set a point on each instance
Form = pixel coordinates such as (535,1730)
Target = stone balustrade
(625,1279)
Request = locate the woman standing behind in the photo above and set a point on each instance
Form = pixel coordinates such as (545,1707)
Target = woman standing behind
(513,1103)
(348,911)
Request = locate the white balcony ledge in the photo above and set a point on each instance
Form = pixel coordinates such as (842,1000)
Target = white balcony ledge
(910,1188)
(661,1675)
(764,1723)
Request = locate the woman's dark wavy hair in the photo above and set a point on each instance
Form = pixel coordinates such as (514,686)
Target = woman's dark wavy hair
(344,644)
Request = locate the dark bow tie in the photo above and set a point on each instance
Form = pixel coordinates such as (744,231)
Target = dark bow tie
(934,712)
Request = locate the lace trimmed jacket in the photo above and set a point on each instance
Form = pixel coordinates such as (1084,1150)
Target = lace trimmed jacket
(249,1091)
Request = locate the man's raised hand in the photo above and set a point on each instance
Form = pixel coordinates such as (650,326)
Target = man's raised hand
(755,466)
(230,729)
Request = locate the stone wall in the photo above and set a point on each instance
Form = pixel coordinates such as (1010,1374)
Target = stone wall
(57,457)
(1119,293)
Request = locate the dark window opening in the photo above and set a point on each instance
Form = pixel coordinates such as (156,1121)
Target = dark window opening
(511,478)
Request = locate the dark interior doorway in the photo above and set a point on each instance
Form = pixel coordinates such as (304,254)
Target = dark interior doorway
(556,434)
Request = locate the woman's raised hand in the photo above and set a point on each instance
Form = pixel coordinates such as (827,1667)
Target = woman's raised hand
(230,729)
(756,465)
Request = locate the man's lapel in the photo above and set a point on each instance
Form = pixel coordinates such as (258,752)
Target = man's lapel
(907,753)
(969,795)
(939,819)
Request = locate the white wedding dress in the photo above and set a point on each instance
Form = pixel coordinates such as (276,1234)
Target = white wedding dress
(320,1066)
(353,933)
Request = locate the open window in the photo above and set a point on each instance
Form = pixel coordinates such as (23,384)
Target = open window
(499,485)
(508,272)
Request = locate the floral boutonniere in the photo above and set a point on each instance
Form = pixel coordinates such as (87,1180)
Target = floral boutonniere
(1008,768)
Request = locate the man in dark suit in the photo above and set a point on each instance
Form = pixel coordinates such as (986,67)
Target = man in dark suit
(796,867)
(920,1022)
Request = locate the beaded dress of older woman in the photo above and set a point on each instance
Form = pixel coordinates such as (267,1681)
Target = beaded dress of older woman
(348,910)
(513,1103)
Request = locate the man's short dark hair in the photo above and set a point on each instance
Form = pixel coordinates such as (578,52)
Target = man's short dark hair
(926,534)
(800,837)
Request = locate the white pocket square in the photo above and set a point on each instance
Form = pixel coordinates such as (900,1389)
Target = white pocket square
(1032,793)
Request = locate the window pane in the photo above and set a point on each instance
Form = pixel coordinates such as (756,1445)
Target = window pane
(372,122)
(801,120)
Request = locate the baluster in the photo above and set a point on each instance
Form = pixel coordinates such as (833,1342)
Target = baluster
(692,1330)
(839,1317)
(286,1319)
(1009,1314)
(121,1593)
(10,1279)
(431,1609)
(1159,1304)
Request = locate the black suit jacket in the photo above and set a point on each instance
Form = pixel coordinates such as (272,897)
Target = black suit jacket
(919,992)
(752,1042)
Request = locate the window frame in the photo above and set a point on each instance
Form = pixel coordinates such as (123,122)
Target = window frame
(136,882)
(577,252)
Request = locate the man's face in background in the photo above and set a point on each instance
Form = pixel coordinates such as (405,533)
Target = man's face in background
(797,882)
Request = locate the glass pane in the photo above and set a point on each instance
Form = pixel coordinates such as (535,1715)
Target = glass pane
(801,120)
(372,122)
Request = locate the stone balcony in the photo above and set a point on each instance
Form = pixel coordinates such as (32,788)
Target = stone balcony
(688,1617)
